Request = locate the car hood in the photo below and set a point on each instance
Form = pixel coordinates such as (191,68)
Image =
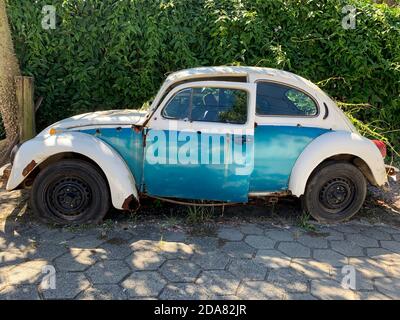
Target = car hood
(102,118)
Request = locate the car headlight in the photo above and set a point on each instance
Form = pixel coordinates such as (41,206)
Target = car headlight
(14,152)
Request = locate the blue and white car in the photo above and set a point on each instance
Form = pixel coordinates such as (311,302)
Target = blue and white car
(223,134)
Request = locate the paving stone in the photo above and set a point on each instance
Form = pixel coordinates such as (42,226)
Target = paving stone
(391,245)
(29,272)
(313,242)
(279,235)
(76,260)
(327,289)
(218,282)
(174,236)
(203,244)
(106,272)
(103,292)
(347,248)
(180,270)
(118,236)
(384,256)
(230,234)
(260,242)
(175,250)
(247,269)
(14,256)
(313,269)
(362,240)
(26,292)
(294,250)
(288,279)
(372,295)
(113,251)
(388,286)
(369,268)
(147,231)
(376,234)
(332,234)
(238,250)
(260,290)
(251,229)
(184,291)
(68,285)
(389,229)
(300,296)
(272,259)
(56,236)
(331,257)
(145,260)
(215,260)
(143,284)
(85,242)
(350,228)
(144,245)
(49,251)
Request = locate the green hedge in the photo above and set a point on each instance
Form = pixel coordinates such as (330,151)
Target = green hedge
(115,54)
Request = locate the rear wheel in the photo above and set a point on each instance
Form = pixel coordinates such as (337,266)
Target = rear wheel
(335,192)
(70,192)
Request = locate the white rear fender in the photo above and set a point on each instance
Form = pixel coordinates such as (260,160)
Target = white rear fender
(34,152)
(333,144)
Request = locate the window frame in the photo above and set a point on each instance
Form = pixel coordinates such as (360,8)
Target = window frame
(191,106)
(292,87)
(169,100)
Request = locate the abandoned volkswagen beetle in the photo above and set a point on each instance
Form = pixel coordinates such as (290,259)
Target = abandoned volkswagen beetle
(223,134)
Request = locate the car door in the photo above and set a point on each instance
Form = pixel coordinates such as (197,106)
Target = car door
(200,142)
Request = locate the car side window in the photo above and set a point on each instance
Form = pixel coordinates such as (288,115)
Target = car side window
(219,105)
(208,104)
(179,106)
(279,100)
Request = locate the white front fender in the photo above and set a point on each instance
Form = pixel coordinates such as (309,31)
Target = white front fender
(331,144)
(33,152)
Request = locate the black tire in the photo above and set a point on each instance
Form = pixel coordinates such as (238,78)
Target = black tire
(70,192)
(335,192)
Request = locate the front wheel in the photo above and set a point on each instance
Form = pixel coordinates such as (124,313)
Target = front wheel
(70,192)
(335,192)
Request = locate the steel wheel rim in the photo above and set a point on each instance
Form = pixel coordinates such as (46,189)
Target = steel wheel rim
(337,194)
(69,197)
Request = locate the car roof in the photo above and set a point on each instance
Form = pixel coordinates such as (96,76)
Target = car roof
(232,71)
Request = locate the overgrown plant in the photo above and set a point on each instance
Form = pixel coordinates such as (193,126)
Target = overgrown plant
(304,222)
(199,214)
(114,54)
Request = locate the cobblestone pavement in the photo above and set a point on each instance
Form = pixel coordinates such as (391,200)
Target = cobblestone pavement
(240,261)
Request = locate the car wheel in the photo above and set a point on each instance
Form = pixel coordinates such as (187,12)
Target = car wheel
(335,192)
(70,192)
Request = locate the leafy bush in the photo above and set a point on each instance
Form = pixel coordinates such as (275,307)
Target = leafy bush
(114,54)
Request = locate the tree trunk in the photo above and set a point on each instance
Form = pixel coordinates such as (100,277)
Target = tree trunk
(9,69)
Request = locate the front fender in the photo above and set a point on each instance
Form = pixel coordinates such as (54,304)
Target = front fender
(331,144)
(35,151)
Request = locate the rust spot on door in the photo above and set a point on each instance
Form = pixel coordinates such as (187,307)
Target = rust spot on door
(29,168)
